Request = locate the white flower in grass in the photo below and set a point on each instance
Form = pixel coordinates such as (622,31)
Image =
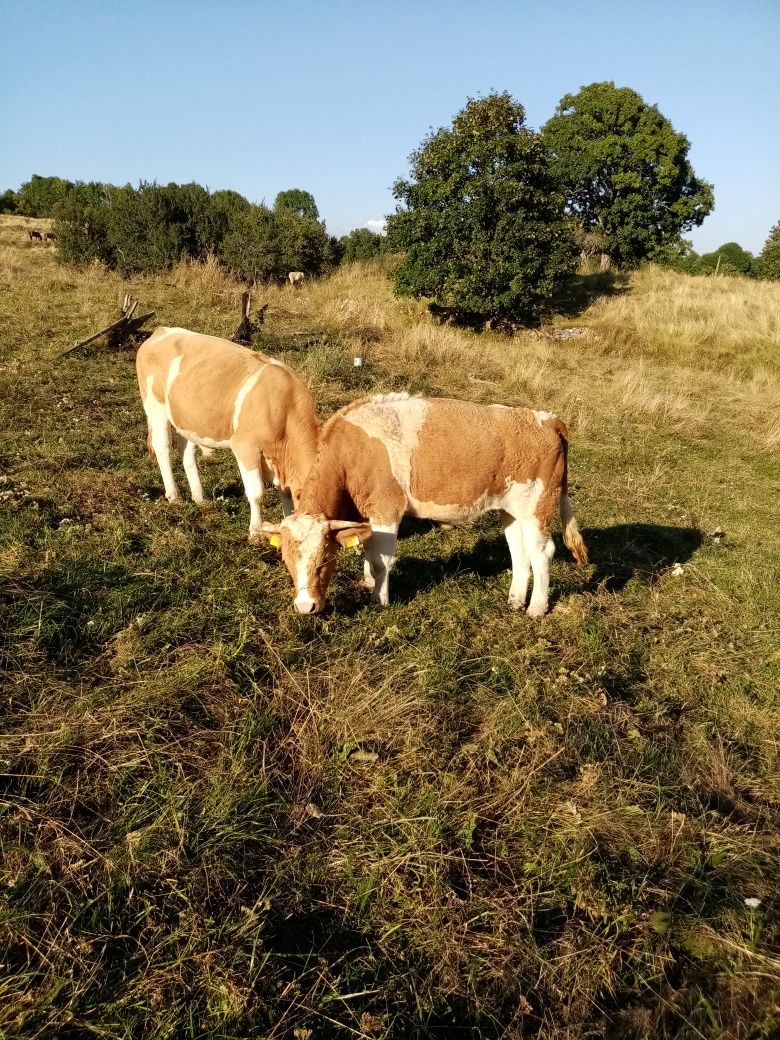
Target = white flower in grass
(677,570)
(752,902)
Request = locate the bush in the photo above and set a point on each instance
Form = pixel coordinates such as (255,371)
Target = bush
(679,255)
(362,244)
(730,258)
(8,201)
(768,262)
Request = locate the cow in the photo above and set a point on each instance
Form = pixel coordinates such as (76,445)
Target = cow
(218,395)
(389,456)
(50,237)
(295,277)
(35,234)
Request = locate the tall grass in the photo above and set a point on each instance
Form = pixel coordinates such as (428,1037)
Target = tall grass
(439,819)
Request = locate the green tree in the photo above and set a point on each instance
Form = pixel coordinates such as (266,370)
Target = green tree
(8,201)
(678,254)
(362,244)
(625,170)
(82,222)
(768,260)
(252,249)
(729,258)
(39,196)
(297,201)
(482,223)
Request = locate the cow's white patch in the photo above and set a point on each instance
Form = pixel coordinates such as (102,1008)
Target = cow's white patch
(309,535)
(201,441)
(246,387)
(396,421)
(542,416)
(518,499)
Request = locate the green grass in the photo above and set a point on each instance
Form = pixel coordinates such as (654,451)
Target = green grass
(438,819)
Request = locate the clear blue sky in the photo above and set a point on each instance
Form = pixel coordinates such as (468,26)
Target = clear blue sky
(332,96)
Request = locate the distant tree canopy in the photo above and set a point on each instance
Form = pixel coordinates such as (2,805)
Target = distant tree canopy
(40,196)
(768,260)
(362,244)
(729,258)
(482,221)
(8,201)
(152,227)
(625,171)
(297,201)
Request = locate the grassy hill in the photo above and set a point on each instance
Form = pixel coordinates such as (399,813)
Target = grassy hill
(438,819)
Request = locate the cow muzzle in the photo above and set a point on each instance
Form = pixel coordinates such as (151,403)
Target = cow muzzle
(305,604)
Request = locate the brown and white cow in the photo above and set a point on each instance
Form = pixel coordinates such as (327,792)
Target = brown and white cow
(390,456)
(295,277)
(218,395)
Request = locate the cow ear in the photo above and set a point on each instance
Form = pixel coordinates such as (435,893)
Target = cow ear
(272,533)
(351,537)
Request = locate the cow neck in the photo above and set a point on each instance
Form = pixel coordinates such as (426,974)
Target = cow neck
(325,491)
(299,445)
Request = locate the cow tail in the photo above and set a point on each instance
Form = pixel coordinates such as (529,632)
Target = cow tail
(572,538)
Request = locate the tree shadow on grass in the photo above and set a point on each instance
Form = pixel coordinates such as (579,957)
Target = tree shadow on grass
(618,554)
(582,290)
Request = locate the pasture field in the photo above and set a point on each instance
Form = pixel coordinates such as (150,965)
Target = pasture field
(219,819)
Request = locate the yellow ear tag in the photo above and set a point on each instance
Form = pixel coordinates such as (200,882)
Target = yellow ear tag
(353,542)
(275,541)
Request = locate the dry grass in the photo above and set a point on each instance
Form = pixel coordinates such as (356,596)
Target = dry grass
(219,819)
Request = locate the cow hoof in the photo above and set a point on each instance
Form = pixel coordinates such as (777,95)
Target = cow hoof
(254,538)
(537,612)
(175,501)
(516,603)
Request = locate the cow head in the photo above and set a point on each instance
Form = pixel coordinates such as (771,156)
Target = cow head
(309,547)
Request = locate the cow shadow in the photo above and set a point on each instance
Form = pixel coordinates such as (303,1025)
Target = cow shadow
(618,554)
(642,551)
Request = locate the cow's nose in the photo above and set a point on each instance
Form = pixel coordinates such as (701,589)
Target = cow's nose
(306,606)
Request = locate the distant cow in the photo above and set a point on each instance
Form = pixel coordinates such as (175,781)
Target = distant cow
(218,395)
(295,277)
(35,234)
(50,237)
(390,456)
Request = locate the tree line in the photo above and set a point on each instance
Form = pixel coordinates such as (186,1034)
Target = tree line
(492,219)
(150,228)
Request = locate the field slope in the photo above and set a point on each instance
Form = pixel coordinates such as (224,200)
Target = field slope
(438,819)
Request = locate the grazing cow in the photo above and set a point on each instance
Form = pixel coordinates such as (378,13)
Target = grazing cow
(295,277)
(218,395)
(50,237)
(389,456)
(35,234)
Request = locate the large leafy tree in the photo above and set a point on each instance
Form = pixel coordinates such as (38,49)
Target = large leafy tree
(625,170)
(768,261)
(482,221)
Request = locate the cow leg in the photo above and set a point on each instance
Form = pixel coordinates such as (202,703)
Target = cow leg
(253,486)
(188,454)
(380,554)
(160,441)
(540,548)
(521,564)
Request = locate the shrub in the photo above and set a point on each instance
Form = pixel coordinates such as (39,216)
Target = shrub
(730,258)
(768,261)
(363,244)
